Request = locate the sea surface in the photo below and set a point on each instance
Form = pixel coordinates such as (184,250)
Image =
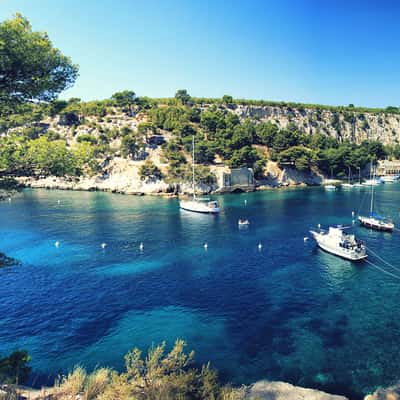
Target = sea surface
(287,311)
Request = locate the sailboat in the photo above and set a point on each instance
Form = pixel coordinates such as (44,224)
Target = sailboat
(199,205)
(374,220)
(330,187)
(348,185)
(358,184)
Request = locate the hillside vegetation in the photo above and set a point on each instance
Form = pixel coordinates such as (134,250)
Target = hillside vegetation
(74,138)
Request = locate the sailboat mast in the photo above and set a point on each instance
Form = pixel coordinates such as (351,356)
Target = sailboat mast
(372,194)
(193,183)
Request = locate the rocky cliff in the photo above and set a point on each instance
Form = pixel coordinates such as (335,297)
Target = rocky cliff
(352,125)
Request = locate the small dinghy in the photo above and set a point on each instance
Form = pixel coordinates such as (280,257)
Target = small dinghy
(243,222)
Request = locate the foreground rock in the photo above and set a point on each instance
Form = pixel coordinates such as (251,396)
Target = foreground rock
(391,393)
(265,390)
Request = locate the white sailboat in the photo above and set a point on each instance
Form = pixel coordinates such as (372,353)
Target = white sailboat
(348,185)
(358,184)
(198,205)
(374,220)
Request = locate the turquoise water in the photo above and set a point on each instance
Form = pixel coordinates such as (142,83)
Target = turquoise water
(287,311)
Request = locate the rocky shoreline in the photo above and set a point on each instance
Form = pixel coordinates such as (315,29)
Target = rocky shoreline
(261,390)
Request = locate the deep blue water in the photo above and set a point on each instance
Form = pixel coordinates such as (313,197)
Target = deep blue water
(288,312)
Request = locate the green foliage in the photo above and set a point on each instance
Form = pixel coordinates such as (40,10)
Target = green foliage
(266,132)
(125,98)
(204,175)
(132,145)
(56,106)
(84,159)
(32,69)
(85,137)
(392,110)
(211,120)
(300,157)
(183,96)
(226,99)
(148,170)
(169,118)
(243,157)
(15,368)
(49,158)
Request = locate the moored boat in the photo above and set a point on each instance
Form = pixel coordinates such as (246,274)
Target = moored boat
(200,206)
(390,178)
(330,187)
(376,222)
(205,206)
(348,185)
(373,220)
(337,242)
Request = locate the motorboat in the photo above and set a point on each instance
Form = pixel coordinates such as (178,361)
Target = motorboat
(339,243)
(243,222)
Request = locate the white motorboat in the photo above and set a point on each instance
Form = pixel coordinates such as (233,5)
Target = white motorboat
(195,204)
(243,222)
(339,243)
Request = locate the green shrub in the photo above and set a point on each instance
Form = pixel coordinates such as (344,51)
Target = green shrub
(149,170)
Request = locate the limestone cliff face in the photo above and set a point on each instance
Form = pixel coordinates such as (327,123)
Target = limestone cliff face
(355,126)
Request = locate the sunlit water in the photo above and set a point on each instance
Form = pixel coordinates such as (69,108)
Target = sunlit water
(286,312)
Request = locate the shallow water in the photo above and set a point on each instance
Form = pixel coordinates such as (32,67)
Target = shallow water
(285,312)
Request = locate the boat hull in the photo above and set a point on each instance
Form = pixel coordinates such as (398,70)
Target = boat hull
(370,224)
(198,207)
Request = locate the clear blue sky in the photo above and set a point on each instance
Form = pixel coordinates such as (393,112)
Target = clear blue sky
(315,51)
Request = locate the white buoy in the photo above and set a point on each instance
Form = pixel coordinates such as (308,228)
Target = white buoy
(245,202)
(319,226)
(58,201)
(103,245)
(259,246)
(353,213)
(141,246)
(9,199)
(57,243)
(205,246)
